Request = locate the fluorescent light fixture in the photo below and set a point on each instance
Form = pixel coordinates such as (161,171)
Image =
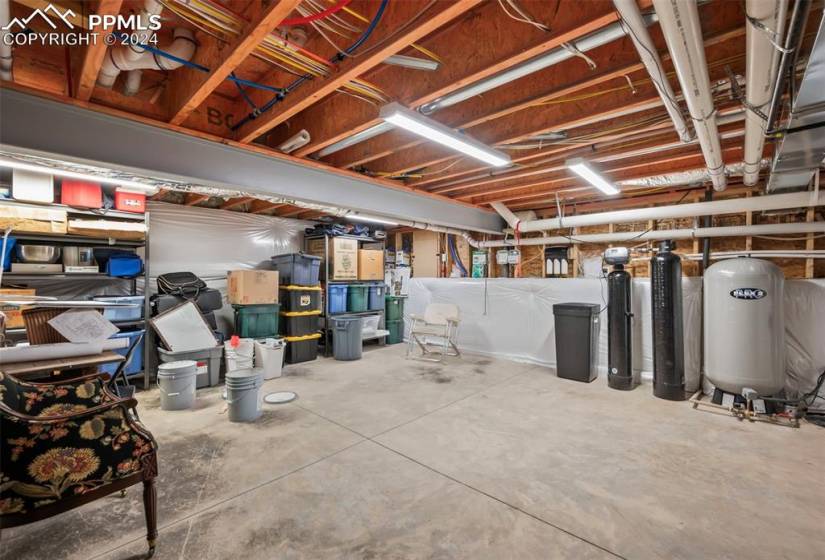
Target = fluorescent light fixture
(127,184)
(372,219)
(412,62)
(356,138)
(581,168)
(400,116)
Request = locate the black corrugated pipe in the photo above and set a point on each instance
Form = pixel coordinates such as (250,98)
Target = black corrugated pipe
(706,222)
(793,41)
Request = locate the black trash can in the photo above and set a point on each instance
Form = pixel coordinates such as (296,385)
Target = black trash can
(577,340)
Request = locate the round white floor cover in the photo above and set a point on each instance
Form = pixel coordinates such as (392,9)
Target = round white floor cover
(280,397)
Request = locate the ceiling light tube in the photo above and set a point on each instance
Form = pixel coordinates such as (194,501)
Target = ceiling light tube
(142,187)
(356,138)
(412,62)
(372,219)
(581,168)
(400,116)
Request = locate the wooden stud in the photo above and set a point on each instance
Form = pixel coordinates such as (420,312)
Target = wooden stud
(95,53)
(192,87)
(193,199)
(809,245)
(159,196)
(748,222)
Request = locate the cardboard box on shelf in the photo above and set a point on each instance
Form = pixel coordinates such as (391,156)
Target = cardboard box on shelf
(32,220)
(252,287)
(14,317)
(343,257)
(117,229)
(370,264)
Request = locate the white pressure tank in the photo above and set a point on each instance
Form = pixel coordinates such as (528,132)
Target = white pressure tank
(745,326)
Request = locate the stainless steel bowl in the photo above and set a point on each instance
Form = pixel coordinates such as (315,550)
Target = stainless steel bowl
(38,253)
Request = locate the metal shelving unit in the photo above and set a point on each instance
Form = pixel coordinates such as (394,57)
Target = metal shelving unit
(30,279)
(326,317)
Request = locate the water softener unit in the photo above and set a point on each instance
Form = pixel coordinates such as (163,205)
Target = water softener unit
(666,309)
(619,321)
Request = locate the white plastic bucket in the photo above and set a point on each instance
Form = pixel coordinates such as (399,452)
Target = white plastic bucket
(240,357)
(269,357)
(243,394)
(176,381)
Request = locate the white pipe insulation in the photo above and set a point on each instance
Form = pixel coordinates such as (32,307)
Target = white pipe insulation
(634,26)
(6,59)
(765,26)
(653,235)
(679,20)
(123,59)
(713,208)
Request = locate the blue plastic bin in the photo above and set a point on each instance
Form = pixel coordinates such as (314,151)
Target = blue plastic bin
(136,364)
(376,297)
(337,298)
(123,313)
(6,257)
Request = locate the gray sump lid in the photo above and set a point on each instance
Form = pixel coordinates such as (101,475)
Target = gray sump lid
(280,397)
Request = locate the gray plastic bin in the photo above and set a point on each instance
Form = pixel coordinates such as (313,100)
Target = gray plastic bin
(346,343)
(208,360)
(577,340)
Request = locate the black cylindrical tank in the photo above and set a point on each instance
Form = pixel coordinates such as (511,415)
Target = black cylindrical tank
(619,317)
(666,307)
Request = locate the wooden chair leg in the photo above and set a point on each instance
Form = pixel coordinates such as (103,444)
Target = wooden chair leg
(150,510)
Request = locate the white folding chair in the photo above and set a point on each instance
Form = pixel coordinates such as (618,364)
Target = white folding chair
(440,321)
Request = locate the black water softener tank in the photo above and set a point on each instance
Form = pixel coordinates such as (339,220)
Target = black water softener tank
(619,317)
(668,340)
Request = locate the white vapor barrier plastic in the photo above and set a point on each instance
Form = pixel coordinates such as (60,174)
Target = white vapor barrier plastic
(513,318)
(211,242)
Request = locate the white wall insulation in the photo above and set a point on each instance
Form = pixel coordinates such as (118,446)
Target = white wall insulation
(513,319)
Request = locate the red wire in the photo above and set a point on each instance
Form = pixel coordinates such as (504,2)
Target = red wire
(315,17)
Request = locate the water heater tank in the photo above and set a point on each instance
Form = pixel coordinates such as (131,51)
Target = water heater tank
(744,326)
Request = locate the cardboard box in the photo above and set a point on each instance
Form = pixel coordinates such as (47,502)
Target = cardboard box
(344,259)
(32,220)
(370,264)
(14,317)
(343,255)
(251,287)
(116,229)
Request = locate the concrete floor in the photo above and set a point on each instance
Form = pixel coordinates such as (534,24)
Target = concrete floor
(386,458)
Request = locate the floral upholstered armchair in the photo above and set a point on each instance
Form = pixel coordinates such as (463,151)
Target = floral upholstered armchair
(67,443)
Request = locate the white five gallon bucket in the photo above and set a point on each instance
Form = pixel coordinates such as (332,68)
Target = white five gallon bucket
(177,384)
(240,356)
(243,394)
(269,357)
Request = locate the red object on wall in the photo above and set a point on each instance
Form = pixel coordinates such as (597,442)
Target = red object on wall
(130,202)
(82,194)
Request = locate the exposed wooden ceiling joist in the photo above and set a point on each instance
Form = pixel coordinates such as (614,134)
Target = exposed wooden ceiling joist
(191,87)
(496,43)
(313,91)
(193,199)
(235,202)
(95,53)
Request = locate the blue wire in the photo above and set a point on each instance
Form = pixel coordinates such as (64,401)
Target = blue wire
(334,60)
(454,253)
(200,67)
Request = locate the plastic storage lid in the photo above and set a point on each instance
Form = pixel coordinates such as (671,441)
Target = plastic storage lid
(302,288)
(577,309)
(293,255)
(242,374)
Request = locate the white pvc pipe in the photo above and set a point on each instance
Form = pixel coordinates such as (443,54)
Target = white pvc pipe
(635,27)
(794,254)
(123,59)
(762,67)
(683,34)
(653,235)
(6,60)
(716,207)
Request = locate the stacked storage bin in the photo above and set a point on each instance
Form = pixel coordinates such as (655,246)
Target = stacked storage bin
(395,319)
(300,296)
